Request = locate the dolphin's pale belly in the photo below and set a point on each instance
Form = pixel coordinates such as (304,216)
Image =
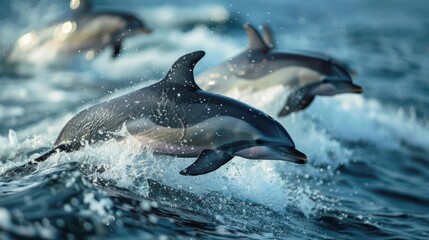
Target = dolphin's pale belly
(190,141)
(292,77)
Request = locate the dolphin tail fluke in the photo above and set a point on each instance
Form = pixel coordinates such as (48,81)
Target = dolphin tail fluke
(29,167)
(59,148)
(208,161)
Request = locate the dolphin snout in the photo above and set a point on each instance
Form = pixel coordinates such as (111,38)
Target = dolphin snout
(355,88)
(331,86)
(291,154)
(284,147)
(273,152)
(274,144)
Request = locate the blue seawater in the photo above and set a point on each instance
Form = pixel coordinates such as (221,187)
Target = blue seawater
(368,170)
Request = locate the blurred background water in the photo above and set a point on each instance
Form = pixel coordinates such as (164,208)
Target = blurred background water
(368,154)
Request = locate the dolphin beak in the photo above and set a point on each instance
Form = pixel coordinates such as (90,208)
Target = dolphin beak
(290,154)
(343,85)
(273,152)
(357,88)
(351,88)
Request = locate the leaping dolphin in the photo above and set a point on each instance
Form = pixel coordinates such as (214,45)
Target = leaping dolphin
(261,65)
(87,31)
(176,117)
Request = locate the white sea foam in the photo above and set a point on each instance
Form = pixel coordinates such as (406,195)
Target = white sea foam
(357,119)
(124,164)
(12,148)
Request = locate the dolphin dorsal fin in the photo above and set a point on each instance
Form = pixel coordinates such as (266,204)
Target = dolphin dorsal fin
(80,5)
(182,71)
(268,36)
(255,40)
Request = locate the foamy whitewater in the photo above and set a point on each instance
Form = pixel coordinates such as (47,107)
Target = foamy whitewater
(368,164)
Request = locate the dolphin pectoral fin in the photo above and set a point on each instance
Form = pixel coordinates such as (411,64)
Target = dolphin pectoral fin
(117,48)
(296,101)
(208,161)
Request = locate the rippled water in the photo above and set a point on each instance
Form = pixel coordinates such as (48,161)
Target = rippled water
(368,154)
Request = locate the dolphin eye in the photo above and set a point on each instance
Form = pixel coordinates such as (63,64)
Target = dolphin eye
(258,141)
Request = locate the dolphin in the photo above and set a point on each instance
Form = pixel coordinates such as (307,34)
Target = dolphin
(261,65)
(176,117)
(87,31)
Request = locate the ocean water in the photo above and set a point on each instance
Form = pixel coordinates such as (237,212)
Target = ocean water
(368,154)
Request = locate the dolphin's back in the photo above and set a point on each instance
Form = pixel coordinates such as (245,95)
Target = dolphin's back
(101,121)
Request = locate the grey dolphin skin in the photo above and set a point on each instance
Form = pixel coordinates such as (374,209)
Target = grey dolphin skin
(306,75)
(87,31)
(175,117)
